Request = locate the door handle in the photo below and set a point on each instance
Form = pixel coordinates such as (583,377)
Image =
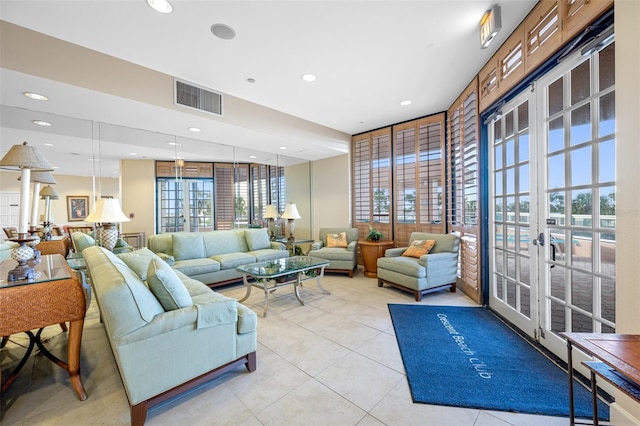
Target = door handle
(539,240)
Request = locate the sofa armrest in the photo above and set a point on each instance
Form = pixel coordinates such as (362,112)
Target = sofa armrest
(277,245)
(317,245)
(394,251)
(162,323)
(435,258)
(352,246)
(167,258)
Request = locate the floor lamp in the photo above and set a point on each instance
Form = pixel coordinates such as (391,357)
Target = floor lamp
(25,159)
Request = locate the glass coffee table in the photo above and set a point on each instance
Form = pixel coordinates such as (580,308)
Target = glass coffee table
(271,275)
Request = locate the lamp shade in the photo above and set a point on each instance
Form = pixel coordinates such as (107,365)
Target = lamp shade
(24,156)
(107,210)
(291,212)
(271,212)
(48,191)
(41,177)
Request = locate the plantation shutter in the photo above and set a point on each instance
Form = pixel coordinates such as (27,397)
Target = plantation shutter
(223,183)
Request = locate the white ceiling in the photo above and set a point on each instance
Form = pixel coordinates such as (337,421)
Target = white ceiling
(367,55)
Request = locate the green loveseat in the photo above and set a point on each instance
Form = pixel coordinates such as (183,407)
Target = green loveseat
(212,257)
(168,333)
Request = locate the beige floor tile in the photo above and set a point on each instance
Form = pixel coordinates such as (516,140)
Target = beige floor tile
(312,404)
(360,380)
(383,348)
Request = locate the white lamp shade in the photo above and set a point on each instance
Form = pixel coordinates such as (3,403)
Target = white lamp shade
(271,212)
(291,212)
(25,156)
(107,210)
(48,191)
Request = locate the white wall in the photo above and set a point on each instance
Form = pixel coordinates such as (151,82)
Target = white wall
(330,193)
(627,30)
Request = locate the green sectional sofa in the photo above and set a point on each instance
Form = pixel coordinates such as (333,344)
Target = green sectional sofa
(168,333)
(212,257)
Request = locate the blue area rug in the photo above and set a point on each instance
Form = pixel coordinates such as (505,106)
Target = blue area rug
(467,357)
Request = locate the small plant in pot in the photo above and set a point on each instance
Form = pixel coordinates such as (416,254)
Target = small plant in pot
(374,235)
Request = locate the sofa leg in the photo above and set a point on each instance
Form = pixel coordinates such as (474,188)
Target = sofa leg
(139,413)
(418,295)
(453,288)
(380,282)
(251,362)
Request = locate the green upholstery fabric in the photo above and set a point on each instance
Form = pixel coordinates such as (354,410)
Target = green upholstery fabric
(5,249)
(188,245)
(166,286)
(340,259)
(431,271)
(81,241)
(222,252)
(168,350)
(138,261)
(257,239)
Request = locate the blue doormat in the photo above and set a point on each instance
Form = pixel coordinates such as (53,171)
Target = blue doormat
(467,357)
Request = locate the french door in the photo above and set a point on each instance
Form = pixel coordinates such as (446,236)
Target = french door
(552,202)
(185,205)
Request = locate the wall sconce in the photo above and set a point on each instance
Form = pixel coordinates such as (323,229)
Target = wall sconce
(47,194)
(291,213)
(108,213)
(490,25)
(271,213)
(23,158)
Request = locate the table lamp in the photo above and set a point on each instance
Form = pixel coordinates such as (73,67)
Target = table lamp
(108,213)
(47,194)
(271,214)
(291,213)
(24,158)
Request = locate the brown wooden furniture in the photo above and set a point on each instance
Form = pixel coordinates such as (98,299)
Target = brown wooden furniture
(54,297)
(617,361)
(11,231)
(72,229)
(371,251)
(57,245)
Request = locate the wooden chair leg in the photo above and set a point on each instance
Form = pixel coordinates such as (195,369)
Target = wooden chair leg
(4,341)
(63,326)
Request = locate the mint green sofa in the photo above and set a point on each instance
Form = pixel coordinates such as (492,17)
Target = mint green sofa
(82,240)
(212,257)
(430,272)
(5,249)
(168,333)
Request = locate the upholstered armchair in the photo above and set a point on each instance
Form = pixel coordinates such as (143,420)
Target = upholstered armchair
(425,273)
(81,241)
(340,252)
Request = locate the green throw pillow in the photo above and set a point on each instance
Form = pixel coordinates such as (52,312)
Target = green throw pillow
(257,239)
(138,261)
(166,286)
(188,245)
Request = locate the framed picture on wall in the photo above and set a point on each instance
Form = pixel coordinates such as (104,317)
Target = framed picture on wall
(77,207)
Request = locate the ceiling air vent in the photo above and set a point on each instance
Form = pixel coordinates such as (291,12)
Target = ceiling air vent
(198,98)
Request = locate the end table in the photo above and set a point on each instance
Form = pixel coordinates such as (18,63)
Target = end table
(371,251)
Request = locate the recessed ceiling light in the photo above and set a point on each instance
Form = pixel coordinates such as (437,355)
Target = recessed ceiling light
(282,147)
(133,153)
(405,102)
(173,143)
(252,156)
(194,129)
(41,123)
(55,167)
(115,172)
(309,77)
(162,6)
(47,144)
(251,80)
(223,31)
(36,96)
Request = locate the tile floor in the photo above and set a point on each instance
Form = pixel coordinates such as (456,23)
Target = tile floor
(334,361)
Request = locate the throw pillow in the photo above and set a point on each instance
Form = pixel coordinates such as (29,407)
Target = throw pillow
(138,261)
(419,248)
(166,286)
(188,245)
(257,239)
(337,240)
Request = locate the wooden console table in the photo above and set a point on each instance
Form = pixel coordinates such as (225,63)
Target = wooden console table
(54,297)
(617,361)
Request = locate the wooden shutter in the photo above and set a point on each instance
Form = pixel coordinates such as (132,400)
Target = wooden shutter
(223,181)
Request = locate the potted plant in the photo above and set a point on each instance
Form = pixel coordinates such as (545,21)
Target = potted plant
(374,235)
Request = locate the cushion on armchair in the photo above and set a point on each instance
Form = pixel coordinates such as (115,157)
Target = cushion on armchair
(419,248)
(337,240)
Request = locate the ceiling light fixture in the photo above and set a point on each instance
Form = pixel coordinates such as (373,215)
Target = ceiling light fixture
(223,31)
(251,80)
(194,129)
(405,102)
(162,6)
(173,143)
(308,77)
(282,147)
(47,144)
(36,96)
(41,123)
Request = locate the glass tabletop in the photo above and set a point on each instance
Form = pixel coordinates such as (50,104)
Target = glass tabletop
(76,262)
(275,268)
(51,267)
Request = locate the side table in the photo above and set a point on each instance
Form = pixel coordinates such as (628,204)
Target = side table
(371,251)
(54,297)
